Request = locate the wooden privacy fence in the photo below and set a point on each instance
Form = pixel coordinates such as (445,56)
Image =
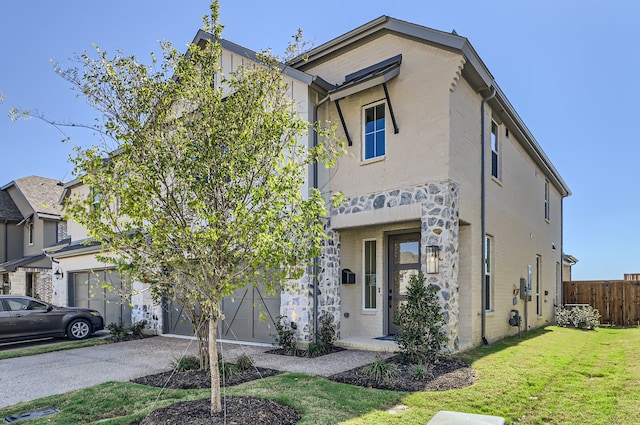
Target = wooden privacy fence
(618,301)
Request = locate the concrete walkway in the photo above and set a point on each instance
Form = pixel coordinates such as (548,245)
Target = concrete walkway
(28,378)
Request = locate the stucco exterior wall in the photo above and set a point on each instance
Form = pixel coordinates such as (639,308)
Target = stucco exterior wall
(420,98)
(515,219)
(74,230)
(12,234)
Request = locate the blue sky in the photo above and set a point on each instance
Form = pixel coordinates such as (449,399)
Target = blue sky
(567,66)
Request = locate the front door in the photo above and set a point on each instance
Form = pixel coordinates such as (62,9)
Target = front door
(404,262)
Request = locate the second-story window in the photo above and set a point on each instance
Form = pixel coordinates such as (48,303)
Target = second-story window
(546,200)
(30,232)
(495,153)
(374,131)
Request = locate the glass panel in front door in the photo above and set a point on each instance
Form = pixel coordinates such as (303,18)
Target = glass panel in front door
(404,262)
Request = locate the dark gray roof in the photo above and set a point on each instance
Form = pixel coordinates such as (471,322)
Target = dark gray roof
(12,265)
(8,209)
(41,193)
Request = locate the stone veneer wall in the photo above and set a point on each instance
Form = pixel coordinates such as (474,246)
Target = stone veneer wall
(440,227)
(296,301)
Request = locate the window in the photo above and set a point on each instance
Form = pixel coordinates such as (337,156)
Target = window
(30,232)
(488,245)
(369,273)
(546,200)
(495,158)
(538,284)
(374,131)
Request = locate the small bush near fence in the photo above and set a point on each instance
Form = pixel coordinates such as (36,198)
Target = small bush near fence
(584,317)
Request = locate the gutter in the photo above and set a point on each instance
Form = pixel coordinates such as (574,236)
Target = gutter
(316,260)
(483,225)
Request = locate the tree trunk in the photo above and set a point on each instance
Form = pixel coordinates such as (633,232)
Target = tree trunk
(202,335)
(216,405)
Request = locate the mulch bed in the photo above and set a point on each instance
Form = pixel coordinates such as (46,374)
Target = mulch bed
(447,374)
(235,410)
(195,379)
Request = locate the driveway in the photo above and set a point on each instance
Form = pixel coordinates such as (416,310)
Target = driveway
(32,377)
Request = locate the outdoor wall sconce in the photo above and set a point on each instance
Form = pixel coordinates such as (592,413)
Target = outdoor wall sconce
(433,259)
(58,273)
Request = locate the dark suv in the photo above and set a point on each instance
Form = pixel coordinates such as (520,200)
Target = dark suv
(28,318)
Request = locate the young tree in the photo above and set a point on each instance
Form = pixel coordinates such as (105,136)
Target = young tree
(421,323)
(201,190)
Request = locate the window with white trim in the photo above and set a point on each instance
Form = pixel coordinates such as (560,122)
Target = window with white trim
(495,152)
(546,200)
(488,247)
(369,273)
(373,145)
(30,232)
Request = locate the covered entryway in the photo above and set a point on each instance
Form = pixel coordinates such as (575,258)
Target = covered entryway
(403,262)
(86,289)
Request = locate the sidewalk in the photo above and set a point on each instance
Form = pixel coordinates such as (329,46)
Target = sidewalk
(28,378)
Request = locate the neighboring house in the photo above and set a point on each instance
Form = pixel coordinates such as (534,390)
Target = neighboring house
(568,261)
(442,175)
(32,221)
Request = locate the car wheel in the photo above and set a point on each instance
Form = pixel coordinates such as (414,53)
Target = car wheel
(78,329)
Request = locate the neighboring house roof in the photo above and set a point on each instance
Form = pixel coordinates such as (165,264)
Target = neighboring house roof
(41,193)
(9,212)
(474,71)
(12,265)
(83,246)
(569,259)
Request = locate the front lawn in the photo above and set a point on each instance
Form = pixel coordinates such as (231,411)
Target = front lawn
(551,376)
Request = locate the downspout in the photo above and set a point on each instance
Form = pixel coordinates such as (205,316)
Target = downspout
(6,242)
(316,260)
(483,226)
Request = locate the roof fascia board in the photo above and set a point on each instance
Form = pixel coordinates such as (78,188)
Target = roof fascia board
(92,249)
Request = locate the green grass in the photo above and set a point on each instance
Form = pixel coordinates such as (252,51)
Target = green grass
(9,353)
(551,376)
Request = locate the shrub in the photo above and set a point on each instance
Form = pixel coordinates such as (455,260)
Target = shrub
(421,337)
(578,317)
(244,362)
(117,330)
(419,371)
(227,369)
(186,363)
(138,327)
(286,336)
(120,332)
(380,370)
(315,350)
(326,332)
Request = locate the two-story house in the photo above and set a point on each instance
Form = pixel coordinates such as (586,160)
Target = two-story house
(441,176)
(31,221)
